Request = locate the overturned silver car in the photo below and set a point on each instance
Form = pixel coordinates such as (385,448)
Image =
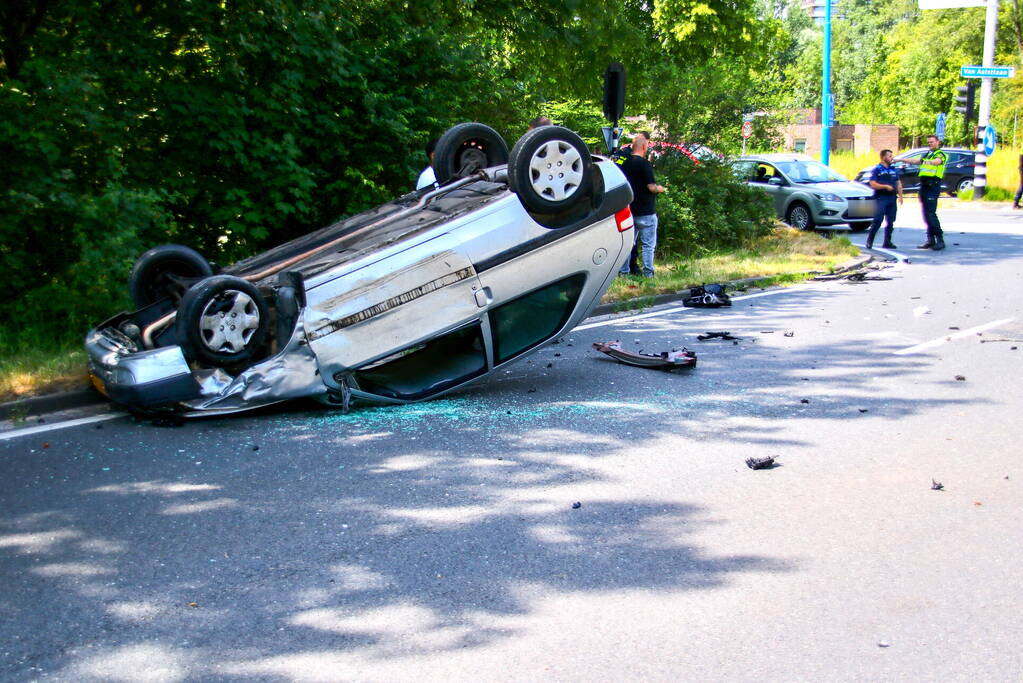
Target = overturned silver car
(401,303)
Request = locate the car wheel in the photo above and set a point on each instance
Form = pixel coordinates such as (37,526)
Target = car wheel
(964,185)
(799,217)
(467,148)
(165,271)
(859,226)
(222,321)
(550,170)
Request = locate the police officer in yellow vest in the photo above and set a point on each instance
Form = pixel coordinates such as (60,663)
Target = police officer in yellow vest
(932,170)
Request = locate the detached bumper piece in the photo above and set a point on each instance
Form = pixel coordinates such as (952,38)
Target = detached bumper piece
(666,360)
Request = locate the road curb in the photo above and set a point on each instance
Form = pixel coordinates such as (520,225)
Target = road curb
(52,403)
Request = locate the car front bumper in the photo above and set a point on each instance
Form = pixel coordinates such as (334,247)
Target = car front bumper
(835,213)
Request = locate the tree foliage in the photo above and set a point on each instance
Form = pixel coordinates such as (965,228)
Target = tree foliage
(232,126)
(895,64)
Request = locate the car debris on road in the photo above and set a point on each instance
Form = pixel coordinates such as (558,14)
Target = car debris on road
(707,296)
(765,463)
(706,336)
(855,276)
(666,360)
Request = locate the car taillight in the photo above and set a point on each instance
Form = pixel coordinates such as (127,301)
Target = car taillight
(624,219)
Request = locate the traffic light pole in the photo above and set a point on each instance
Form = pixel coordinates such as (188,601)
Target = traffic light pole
(984,112)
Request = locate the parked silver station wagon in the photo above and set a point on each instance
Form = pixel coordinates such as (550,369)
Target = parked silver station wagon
(401,303)
(806,193)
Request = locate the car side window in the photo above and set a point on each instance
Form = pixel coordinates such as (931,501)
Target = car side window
(764,173)
(743,170)
(427,368)
(522,323)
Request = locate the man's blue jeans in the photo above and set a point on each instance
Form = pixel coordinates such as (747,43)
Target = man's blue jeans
(646,238)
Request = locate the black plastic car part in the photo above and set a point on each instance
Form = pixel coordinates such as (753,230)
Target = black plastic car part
(707,296)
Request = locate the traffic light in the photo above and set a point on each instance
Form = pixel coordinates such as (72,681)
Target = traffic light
(964,103)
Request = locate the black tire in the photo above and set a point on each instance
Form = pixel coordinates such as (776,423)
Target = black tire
(859,226)
(964,185)
(222,321)
(163,272)
(550,170)
(467,148)
(799,217)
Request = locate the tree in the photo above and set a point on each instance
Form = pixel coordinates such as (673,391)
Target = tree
(236,125)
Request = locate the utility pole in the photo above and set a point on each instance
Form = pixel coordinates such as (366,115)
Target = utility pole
(826,106)
(985,73)
(984,114)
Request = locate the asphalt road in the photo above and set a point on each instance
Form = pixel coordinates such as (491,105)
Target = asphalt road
(440,540)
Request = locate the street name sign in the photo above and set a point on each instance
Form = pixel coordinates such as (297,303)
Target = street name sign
(986,72)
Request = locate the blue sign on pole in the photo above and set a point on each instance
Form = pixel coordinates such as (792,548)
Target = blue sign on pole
(989,140)
(986,72)
(939,126)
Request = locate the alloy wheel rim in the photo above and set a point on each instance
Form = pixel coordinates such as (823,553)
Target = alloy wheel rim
(228,322)
(800,217)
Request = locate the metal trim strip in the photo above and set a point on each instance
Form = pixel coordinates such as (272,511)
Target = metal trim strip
(393,302)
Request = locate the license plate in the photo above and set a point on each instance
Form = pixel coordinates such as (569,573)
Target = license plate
(98,383)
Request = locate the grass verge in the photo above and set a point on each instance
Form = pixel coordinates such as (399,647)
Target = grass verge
(36,372)
(784,256)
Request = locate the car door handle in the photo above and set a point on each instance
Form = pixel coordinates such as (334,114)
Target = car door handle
(484,297)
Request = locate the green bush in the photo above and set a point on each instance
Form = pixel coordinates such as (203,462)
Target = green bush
(706,208)
(228,128)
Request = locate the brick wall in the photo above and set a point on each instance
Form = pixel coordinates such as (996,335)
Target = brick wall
(858,138)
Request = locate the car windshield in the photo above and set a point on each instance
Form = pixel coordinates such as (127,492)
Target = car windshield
(808,172)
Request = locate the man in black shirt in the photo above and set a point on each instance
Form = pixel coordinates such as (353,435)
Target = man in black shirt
(640,175)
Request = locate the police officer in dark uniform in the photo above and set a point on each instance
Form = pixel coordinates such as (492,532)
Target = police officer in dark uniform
(884,178)
(932,170)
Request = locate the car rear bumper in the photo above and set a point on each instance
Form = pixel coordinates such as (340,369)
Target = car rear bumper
(138,378)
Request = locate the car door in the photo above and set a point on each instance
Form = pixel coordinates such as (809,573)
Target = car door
(960,167)
(394,306)
(775,184)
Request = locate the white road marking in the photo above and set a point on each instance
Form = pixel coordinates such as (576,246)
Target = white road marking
(15,433)
(676,309)
(947,338)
